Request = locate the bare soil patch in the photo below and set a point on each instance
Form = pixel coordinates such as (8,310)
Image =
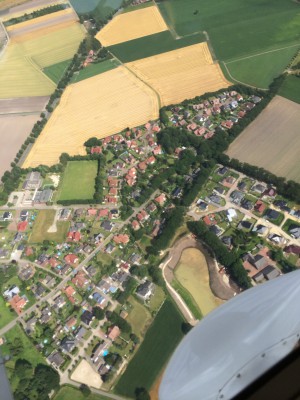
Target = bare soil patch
(23,105)
(13,132)
(272,141)
(85,374)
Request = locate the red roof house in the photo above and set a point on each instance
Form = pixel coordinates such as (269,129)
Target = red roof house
(161,199)
(21,227)
(71,259)
(121,239)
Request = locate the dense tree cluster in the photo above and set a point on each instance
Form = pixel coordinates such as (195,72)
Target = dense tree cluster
(37,13)
(115,319)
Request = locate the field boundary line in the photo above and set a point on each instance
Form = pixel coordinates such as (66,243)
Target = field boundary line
(170,28)
(261,53)
(237,81)
(38,69)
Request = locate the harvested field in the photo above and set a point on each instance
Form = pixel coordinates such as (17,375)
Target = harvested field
(23,105)
(18,8)
(272,140)
(85,374)
(132,25)
(192,274)
(46,21)
(21,64)
(180,74)
(98,106)
(14,130)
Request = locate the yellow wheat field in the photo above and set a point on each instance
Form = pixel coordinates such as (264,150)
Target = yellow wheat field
(22,62)
(180,74)
(98,106)
(132,25)
(43,20)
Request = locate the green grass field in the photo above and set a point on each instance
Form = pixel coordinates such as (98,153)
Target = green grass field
(42,224)
(101,8)
(78,181)
(5,314)
(56,71)
(71,393)
(138,317)
(259,71)
(236,28)
(159,343)
(148,46)
(291,88)
(95,69)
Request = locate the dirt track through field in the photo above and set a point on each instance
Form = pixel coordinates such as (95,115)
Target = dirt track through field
(272,140)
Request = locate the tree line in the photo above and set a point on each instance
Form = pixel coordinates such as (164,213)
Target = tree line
(37,13)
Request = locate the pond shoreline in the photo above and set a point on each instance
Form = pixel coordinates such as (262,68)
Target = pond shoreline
(216,283)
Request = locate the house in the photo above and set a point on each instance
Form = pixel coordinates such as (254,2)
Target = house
(269,272)
(231,214)
(222,170)
(43,197)
(161,199)
(114,333)
(145,290)
(271,214)
(45,315)
(109,248)
(107,226)
(7,215)
(80,280)
(96,150)
(74,236)
(202,205)
(143,216)
(259,261)
(247,204)
(292,249)
(98,237)
(80,332)
(64,214)
(67,344)
(24,215)
(270,192)
(135,225)
(227,240)
(277,239)
(104,212)
(142,166)
(11,292)
(26,273)
(151,208)
(177,192)
(258,188)
(219,190)
(114,213)
(157,150)
(92,212)
(121,239)
(70,291)
(56,359)
(71,323)
(18,303)
(236,197)
(91,270)
(216,230)
(259,206)
(33,181)
(245,225)
(71,259)
(87,317)
(294,231)
(228,181)
(98,298)
(59,301)
(242,186)
(260,229)
(98,351)
(209,220)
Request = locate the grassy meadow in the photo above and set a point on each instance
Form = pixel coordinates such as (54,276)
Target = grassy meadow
(291,88)
(43,222)
(56,71)
(151,45)
(78,181)
(138,317)
(192,273)
(160,342)
(95,69)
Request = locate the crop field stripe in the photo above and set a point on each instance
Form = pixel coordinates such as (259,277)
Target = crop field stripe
(160,341)
(95,69)
(152,45)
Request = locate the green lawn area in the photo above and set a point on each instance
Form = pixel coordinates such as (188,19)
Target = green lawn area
(95,69)
(101,8)
(148,46)
(138,317)
(43,222)
(270,66)
(236,28)
(291,88)
(5,314)
(78,181)
(56,71)
(157,299)
(160,342)
(71,393)
(290,223)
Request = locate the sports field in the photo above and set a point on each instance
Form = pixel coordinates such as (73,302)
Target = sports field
(22,63)
(259,71)
(152,45)
(98,106)
(291,88)
(95,69)
(192,274)
(132,25)
(78,181)
(43,222)
(272,140)
(160,341)
(180,74)
(56,71)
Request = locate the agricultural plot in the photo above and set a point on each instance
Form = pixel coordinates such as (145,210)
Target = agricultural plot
(14,130)
(180,74)
(152,45)
(98,106)
(272,140)
(291,88)
(132,25)
(101,8)
(154,352)
(55,72)
(95,69)
(33,52)
(260,70)
(78,181)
